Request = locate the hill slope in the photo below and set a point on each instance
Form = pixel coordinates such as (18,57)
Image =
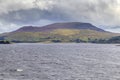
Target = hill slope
(58,32)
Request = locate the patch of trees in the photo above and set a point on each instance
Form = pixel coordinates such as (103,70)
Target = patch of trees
(110,40)
(78,41)
(98,41)
(5,42)
(114,40)
(56,41)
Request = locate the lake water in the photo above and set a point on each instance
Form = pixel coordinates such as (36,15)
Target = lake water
(59,62)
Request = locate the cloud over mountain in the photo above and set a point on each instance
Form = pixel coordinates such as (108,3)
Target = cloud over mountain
(41,12)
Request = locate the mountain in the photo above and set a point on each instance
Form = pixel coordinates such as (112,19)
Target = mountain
(70,25)
(58,32)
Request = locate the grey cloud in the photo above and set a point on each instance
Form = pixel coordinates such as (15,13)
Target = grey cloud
(34,15)
(22,12)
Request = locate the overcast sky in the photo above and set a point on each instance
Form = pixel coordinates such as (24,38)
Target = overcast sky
(17,13)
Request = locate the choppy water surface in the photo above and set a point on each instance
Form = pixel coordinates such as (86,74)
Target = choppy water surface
(59,62)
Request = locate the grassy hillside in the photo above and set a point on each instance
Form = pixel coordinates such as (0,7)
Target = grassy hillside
(59,35)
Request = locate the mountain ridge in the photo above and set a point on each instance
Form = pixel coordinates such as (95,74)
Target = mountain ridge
(67,25)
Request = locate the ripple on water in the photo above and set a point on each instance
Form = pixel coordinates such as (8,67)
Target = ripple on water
(59,62)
